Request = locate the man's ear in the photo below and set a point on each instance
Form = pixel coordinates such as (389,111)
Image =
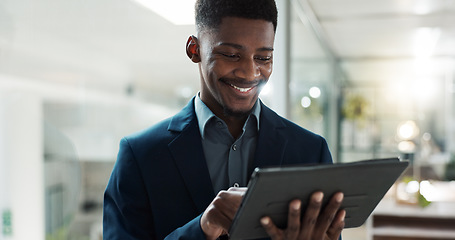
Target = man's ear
(192,49)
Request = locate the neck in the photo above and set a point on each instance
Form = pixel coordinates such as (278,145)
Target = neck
(235,124)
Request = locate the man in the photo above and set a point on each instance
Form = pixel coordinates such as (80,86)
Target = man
(181,178)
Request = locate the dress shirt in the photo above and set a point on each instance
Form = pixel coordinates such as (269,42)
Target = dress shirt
(228,159)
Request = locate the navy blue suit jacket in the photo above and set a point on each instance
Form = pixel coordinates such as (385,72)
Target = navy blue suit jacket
(160,183)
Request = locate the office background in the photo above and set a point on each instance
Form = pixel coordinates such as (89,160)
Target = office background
(376,78)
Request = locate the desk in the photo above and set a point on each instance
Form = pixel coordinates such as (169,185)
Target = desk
(393,221)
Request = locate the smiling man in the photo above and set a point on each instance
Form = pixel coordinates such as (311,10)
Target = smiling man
(235,61)
(185,177)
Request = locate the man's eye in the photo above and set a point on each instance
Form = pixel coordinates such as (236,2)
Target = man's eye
(229,55)
(265,59)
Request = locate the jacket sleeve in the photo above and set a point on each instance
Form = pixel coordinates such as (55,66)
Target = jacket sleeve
(190,231)
(127,212)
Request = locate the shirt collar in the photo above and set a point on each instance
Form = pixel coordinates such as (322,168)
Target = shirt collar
(204,114)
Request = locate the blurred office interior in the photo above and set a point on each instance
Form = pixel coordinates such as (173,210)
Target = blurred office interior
(375,78)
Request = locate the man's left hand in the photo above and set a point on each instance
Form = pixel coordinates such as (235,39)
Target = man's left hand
(317,223)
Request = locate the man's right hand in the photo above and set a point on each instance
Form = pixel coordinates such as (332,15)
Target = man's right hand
(218,216)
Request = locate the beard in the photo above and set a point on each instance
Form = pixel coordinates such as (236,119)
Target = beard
(228,112)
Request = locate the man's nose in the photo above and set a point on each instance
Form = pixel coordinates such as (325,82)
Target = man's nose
(248,69)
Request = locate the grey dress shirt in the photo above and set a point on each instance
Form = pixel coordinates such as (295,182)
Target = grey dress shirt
(228,159)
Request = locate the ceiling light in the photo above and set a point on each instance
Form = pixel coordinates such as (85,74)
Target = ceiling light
(178,12)
(422,7)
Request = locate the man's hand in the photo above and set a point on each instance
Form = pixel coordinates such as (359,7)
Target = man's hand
(317,223)
(218,216)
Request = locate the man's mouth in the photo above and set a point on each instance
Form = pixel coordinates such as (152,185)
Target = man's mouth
(240,89)
(243,90)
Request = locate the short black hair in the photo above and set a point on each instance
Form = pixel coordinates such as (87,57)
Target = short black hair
(209,13)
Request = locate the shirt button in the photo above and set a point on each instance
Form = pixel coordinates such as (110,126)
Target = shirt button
(234,147)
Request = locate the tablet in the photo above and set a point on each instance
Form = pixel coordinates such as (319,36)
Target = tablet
(270,191)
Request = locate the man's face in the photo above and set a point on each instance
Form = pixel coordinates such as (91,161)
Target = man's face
(235,63)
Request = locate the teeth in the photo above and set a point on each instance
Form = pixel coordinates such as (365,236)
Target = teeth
(242,89)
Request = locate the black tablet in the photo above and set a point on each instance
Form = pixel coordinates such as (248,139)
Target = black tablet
(270,191)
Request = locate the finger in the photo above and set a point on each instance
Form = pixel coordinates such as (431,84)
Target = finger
(337,226)
(326,217)
(311,215)
(212,222)
(228,202)
(293,228)
(270,228)
(223,208)
(237,189)
(214,217)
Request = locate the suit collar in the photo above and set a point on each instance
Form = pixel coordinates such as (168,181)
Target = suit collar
(183,118)
(188,155)
(271,142)
(271,118)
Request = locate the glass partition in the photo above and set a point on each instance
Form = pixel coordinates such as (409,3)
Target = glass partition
(314,78)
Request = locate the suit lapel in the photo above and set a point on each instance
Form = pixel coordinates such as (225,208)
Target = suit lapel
(188,155)
(271,143)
